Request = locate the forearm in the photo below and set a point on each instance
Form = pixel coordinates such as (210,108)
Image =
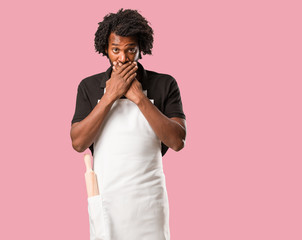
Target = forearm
(83,133)
(170,132)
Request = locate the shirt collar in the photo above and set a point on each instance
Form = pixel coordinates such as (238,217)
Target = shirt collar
(141,71)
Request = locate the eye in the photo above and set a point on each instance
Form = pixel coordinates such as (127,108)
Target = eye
(115,50)
(132,50)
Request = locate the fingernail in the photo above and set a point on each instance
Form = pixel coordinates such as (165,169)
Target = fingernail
(135,63)
(120,64)
(114,63)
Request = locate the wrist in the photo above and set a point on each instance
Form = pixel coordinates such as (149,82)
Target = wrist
(141,100)
(109,99)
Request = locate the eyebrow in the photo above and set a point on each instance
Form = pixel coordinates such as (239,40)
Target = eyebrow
(130,44)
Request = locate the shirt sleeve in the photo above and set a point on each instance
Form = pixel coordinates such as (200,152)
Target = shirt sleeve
(83,106)
(173,105)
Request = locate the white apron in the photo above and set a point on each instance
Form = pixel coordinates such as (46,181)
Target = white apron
(133,201)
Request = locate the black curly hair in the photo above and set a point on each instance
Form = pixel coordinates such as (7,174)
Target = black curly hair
(124,23)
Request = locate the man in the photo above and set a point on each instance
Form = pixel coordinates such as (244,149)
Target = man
(129,117)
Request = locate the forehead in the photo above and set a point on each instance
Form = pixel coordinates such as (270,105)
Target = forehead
(119,40)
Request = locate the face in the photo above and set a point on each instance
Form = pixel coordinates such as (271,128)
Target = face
(122,49)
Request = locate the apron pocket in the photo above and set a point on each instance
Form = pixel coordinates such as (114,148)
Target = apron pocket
(96,218)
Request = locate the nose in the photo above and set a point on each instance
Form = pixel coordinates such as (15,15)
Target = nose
(123,58)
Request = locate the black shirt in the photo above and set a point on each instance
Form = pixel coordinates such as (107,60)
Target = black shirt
(162,88)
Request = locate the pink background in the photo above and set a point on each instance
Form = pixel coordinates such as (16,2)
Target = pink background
(238,65)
